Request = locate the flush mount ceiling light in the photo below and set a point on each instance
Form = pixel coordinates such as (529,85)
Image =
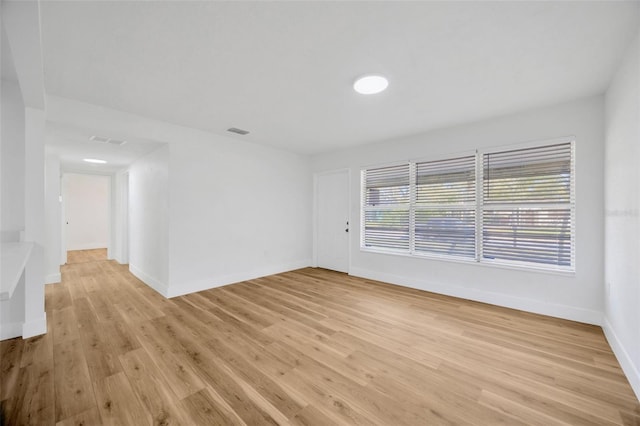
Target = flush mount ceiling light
(370,84)
(94,161)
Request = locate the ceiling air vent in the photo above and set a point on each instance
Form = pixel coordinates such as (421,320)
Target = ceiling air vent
(101,139)
(238,131)
(98,139)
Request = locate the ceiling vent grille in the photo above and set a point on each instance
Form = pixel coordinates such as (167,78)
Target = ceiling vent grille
(238,131)
(101,139)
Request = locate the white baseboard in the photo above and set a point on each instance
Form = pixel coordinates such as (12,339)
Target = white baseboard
(35,327)
(630,369)
(152,282)
(206,284)
(535,306)
(10,330)
(87,246)
(53,278)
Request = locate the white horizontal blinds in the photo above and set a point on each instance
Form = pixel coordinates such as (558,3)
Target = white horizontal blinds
(445,207)
(386,195)
(528,203)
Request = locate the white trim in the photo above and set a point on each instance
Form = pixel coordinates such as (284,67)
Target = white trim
(111,217)
(384,165)
(53,278)
(471,261)
(121,217)
(445,156)
(152,282)
(10,330)
(314,222)
(34,328)
(201,285)
(89,246)
(526,144)
(628,367)
(350,218)
(63,220)
(529,305)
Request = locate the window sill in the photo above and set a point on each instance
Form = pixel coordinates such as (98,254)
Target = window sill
(485,264)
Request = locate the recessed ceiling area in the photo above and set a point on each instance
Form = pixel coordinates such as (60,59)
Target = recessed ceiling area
(285,69)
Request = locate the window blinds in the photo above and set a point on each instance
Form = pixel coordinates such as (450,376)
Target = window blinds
(445,207)
(386,194)
(514,206)
(528,205)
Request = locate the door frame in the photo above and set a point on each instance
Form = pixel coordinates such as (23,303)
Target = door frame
(121,223)
(316,176)
(63,220)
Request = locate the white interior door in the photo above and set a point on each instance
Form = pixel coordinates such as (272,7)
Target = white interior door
(87,211)
(332,215)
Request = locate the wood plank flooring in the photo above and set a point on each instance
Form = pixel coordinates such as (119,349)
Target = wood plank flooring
(81,256)
(309,347)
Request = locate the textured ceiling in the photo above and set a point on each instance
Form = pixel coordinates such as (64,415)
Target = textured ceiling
(284,70)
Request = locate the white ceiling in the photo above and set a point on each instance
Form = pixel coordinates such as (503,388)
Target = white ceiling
(7,68)
(71,144)
(284,70)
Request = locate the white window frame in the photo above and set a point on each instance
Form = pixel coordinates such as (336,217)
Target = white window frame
(480,208)
(441,206)
(385,207)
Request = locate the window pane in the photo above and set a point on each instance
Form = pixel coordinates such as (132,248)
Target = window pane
(446,232)
(386,185)
(446,181)
(442,226)
(387,229)
(528,235)
(534,175)
(387,195)
(522,209)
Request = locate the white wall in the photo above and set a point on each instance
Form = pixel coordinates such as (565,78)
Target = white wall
(149,219)
(12,158)
(238,211)
(53,220)
(120,215)
(217,234)
(87,210)
(576,297)
(25,186)
(34,223)
(622,215)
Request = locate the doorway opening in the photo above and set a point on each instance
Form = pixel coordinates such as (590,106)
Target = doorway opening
(87,217)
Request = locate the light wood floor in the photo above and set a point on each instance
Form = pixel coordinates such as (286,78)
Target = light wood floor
(82,256)
(307,347)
